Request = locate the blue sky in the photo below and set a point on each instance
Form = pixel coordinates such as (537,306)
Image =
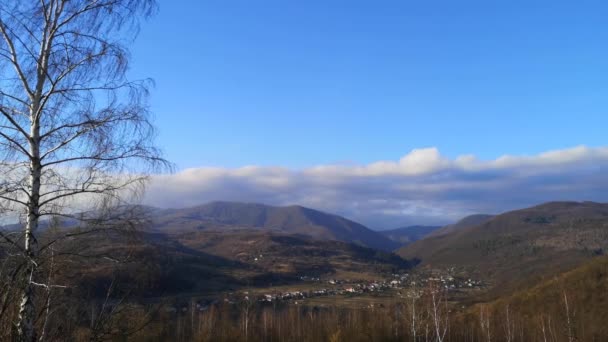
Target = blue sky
(388,112)
(302,83)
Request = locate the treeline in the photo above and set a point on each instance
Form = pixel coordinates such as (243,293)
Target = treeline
(571,307)
(423,315)
(426,317)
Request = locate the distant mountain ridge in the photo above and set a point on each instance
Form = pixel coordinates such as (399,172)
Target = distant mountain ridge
(405,235)
(291,219)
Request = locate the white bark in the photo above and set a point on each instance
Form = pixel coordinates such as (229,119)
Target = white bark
(440,319)
(27,311)
(568,320)
(58,140)
(414,318)
(542,326)
(508,327)
(484,320)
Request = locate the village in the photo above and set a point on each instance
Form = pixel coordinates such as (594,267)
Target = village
(317,287)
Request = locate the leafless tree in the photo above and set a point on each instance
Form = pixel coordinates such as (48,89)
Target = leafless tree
(542,327)
(508,325)
(484,323)
(569,324)
(438,311)
(413,295)
(75,132)
(246,315)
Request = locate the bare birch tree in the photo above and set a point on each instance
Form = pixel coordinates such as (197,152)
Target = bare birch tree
(569,325)
(438,311)
(485,323)
(508,325)
(73,128)
(414,295)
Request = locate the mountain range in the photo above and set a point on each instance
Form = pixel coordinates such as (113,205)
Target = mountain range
(510,251)
(296,220)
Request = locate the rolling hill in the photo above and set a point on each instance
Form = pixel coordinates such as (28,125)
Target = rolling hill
(285,256)
(294,220)
(521,247)
(206,261)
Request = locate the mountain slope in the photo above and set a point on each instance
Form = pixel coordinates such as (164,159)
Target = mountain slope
(420,248)
(520,247)
(287,256)
(215,261)
(541,312)
(409,234)
(467,222)
(291,220)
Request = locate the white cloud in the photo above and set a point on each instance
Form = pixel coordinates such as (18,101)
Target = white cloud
(421,187)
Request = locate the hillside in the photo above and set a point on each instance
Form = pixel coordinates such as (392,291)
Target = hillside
(467,222)
(290,220)
(420,248)
(541,312)
(521,247)
(409,234)
(214,261)
(290,256)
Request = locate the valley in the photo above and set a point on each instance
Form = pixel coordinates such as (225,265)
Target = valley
(217,251)
(201,264)
(482,261)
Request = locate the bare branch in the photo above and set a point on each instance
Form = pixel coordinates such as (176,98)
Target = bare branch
(49,285)
(14,59)
(8,116)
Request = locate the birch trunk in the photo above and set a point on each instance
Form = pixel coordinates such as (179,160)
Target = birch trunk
(27,309)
